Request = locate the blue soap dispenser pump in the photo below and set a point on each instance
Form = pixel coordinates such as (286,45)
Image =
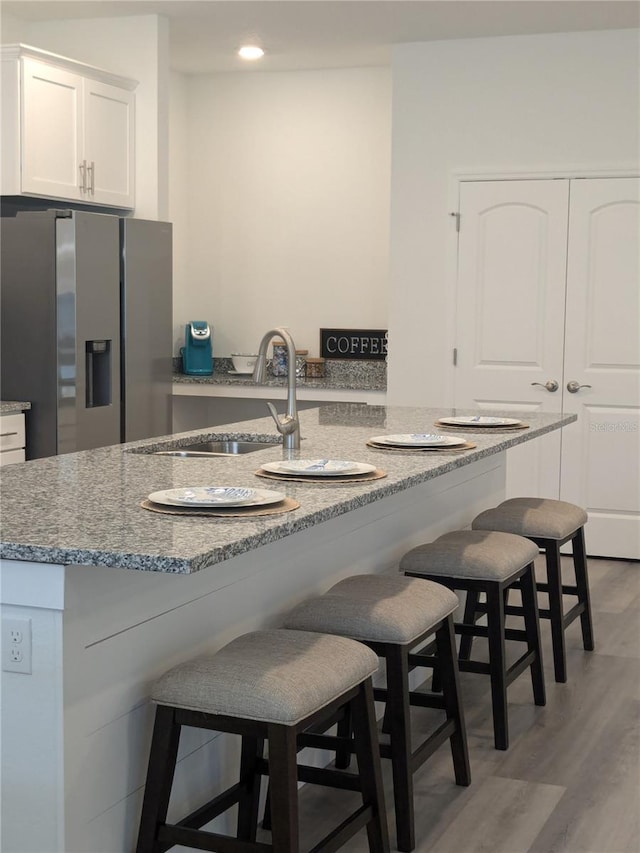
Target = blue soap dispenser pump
(197,355)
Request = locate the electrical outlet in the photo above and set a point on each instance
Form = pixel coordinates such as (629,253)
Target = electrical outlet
(16,644)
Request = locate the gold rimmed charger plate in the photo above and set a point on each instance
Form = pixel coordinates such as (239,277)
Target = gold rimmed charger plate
(327,481)
(484,429)
(397,448)
(285,505)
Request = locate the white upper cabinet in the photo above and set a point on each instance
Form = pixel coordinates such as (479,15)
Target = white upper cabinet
(67,130)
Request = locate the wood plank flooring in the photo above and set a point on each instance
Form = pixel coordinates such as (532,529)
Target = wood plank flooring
(570,781)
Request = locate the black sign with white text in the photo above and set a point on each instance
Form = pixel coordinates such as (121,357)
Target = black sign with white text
(353,343)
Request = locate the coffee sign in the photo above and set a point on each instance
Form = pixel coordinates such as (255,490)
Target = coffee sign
(353,343)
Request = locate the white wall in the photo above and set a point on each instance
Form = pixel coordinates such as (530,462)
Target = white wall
(178,196)
(12,29)
(136,47)
(500,105)
(288,204)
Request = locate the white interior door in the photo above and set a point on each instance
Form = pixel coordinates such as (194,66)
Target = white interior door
(510,312)
(600,453)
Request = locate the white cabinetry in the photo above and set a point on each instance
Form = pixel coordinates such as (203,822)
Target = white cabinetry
(12,438)
(67,130)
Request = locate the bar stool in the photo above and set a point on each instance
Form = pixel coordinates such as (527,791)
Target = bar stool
(266,685)
(550,524)
(393,615)
(489,563)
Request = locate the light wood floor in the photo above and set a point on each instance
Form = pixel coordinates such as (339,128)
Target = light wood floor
(570,781)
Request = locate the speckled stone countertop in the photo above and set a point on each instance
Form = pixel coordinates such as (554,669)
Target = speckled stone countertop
(347,375)
(12,407)
(84,508)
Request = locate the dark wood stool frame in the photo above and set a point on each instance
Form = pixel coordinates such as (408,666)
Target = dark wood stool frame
(497,633)
(555,589)
(156,835)
(397,722)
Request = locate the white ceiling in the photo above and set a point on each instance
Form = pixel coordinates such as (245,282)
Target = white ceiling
(298,34)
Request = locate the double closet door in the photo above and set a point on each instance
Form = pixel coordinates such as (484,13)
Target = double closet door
(548,320)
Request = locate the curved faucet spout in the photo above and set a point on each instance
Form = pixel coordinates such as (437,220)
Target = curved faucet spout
(288,425)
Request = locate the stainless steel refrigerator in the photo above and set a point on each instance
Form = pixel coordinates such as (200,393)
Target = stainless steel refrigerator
(86,324)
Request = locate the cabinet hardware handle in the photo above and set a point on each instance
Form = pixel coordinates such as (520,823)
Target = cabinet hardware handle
(83,173)
(7,434)
(92,172)
(573,387)
(551,385)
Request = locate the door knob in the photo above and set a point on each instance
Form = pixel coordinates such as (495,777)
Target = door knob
(551,385)
(573,387)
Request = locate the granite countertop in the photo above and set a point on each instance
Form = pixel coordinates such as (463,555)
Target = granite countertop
(12,407)
(84,508)
(343,374)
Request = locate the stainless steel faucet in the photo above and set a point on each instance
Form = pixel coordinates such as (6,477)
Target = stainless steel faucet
(288,425)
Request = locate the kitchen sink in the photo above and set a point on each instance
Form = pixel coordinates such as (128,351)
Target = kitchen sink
(223,447)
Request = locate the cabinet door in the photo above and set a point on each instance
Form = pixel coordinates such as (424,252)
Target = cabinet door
(12,439)
(108,136)
(51,131)
(601,451)
(510,313)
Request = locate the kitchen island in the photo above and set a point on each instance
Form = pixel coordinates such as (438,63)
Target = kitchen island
(111,595)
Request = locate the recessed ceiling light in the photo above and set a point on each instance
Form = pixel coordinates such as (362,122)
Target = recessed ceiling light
(250,51)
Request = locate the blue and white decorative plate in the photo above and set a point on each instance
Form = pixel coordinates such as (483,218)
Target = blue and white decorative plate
(318,467)
(216,496)
(480,421)
(418,439)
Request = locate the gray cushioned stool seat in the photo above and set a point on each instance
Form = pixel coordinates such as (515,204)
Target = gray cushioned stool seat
(549,524)
(485,555)
(269,688)
(395,615)
(538,517)
(376,608)
(273,676)
(488,563)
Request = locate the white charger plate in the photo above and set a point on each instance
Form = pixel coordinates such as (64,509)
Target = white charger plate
(418,439)
(318,467)
(480,421)
(216,496)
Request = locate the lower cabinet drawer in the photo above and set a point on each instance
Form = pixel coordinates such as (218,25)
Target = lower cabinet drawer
(11,431)
(9,456)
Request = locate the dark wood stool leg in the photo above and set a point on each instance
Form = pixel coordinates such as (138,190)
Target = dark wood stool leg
(343,754)
(386,721)
(283,784)
(248,804)
(532,629)
(472,598)
(497,665)
(470,615)
(398,710)
(446,650)
(369,768)
(556,610)
(582,584)
(162,763)
(266,817)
